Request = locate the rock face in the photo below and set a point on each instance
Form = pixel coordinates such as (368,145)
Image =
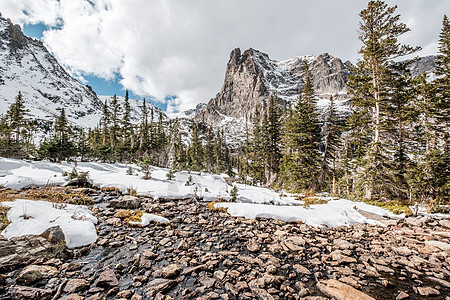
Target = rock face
(29,248)
(251,77)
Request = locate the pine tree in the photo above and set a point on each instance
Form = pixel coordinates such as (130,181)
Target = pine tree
(115,121)
(371,86)
(273,137)
(332,147)
(144,141)
(105,122)
(126,122)
(301,163)
(196,150)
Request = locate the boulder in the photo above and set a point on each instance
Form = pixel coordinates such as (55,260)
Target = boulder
(126,202)
(341,291)
(34,273)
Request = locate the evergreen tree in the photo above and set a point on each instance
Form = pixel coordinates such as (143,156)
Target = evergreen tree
(301,164)
(126,122)
(196,150)
(371,85)
(273,137)
(332,147)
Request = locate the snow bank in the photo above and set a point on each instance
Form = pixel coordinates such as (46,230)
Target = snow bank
(334,213)
(147,218)
(77,222)
(19,174)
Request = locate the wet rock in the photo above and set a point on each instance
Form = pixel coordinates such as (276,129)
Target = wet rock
(26,249)
(34,273)
(76,285)
(25,293)
(159,285)
(171,271)
(107,278)
(341,291)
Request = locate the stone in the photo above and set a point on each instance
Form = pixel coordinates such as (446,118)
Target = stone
(427,291)
(341,291)
(159,285)
(149,254)
(301,269)
(401,295)
(125,294)
(126,202)
(33,273)
(171,271)
(437,244)
(343,245)
(253,245)
(107,278)
(25,293)
(74,297)
(341,258)
(76,285)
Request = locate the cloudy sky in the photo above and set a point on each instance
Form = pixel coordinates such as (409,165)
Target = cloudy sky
(167,48)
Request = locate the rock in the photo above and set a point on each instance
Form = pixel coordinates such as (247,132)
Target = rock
(26,249)
(76,285)
(74,297)
(149,254)
(401,295)
(427,291)
(343,245)
(262,294)
(294,243)
(126,202)
(107,278)
(437,244)
(341,291)
(341,258)
(33,273)
(207,282)
(54,235)
(301,269)
(124,294)
(136,297)
(159,285)
(251,77)
(26,293)
(171,271)
(253,245)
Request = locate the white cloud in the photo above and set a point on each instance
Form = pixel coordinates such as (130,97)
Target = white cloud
(176,47)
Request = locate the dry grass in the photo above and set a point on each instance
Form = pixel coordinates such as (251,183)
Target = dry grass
(313,200)
(110,189)
(129,216)
(211,207)
(58,195)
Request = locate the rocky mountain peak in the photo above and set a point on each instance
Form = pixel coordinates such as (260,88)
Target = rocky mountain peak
(252,76)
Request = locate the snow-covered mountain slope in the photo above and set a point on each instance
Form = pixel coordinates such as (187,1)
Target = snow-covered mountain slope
(26,66)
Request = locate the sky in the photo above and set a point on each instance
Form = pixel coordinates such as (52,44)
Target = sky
(174,52)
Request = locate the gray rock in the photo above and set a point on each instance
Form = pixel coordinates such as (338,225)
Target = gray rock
(107,278)
(33,273)
(126,202)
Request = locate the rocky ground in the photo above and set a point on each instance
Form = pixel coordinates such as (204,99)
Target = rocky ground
(207,254)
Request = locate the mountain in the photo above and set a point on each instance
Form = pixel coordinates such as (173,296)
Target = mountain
(27,66)
(251,77)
